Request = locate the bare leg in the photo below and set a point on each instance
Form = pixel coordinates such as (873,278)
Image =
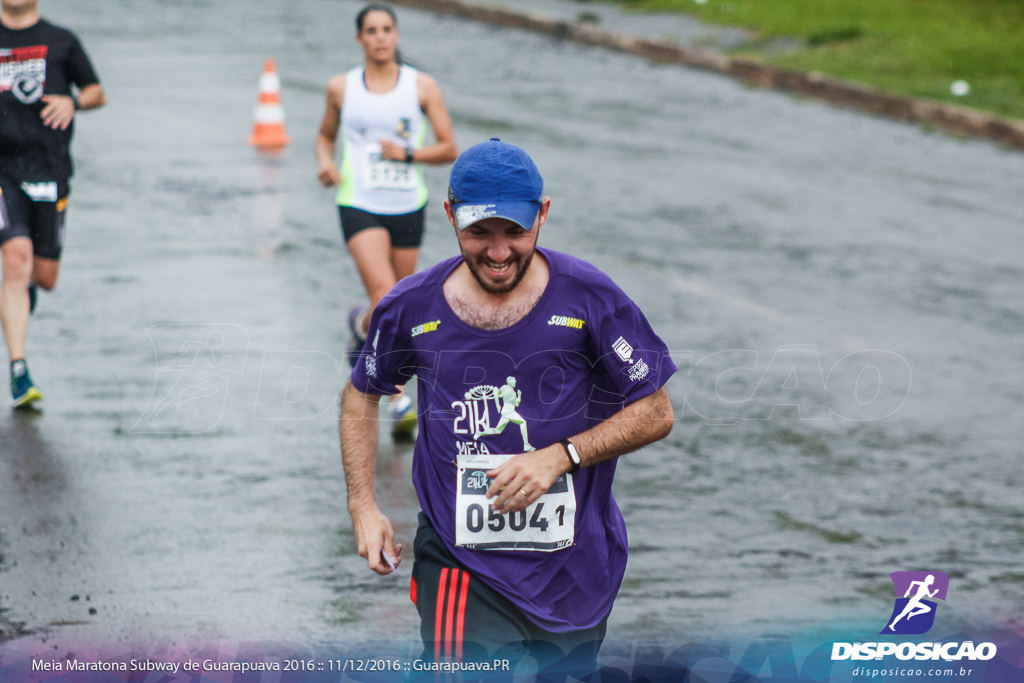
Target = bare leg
(371,250)
(403,261)
(44,272)
(16,255)
(380,267)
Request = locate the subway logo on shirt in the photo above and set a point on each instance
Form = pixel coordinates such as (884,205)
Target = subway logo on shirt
(425,327)
(566,321)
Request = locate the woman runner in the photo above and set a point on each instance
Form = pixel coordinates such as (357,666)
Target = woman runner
(382,109)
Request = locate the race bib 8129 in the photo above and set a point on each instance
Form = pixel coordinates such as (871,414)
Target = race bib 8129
(384,174)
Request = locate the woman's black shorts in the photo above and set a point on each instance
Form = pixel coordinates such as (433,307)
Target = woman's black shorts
(405,229)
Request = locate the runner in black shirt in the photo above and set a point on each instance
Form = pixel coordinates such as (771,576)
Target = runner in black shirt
(45,76)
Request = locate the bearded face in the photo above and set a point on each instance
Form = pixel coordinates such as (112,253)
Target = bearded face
(497,252)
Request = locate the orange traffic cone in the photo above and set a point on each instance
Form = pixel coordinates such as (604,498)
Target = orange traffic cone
(268,131)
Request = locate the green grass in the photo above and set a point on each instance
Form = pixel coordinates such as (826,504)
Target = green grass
(909,47)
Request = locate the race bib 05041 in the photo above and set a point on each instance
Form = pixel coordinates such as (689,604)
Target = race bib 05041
(382,174)
(548,524)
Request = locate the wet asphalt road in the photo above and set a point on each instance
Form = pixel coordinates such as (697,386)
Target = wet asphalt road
(844,295)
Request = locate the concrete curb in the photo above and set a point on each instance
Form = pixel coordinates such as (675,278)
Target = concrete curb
(947,117)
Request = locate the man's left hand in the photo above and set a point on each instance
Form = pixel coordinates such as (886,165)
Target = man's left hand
(521,480)
(59,111)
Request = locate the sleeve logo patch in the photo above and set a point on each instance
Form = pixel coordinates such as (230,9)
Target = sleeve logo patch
(623,349)
(565,321)
(639,370)
(425,327)
(371,359)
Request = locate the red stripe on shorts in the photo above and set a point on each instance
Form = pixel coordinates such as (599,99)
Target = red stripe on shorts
(439,613)
(448,625)
(463,595)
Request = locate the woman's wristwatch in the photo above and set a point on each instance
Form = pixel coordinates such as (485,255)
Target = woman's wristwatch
(409,152)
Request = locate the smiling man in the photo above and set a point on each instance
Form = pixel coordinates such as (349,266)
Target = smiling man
(521,548)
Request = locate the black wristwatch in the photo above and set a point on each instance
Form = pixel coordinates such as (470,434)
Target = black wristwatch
(409,152)
(573,455)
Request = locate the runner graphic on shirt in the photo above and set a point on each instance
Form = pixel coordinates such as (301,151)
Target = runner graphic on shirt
(511,398)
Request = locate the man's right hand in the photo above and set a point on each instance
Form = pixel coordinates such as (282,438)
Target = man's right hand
(58,112)
(358,429)
(374,533)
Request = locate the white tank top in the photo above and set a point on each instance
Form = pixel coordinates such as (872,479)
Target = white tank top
(369,182)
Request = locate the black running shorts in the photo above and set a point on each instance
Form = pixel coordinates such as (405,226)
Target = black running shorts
(463,619)
(35,211)
(405,229)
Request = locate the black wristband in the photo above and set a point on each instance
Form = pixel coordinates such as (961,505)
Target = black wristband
(574,457)
(409,152)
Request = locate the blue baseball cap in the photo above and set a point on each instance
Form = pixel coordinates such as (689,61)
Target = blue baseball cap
(495,180)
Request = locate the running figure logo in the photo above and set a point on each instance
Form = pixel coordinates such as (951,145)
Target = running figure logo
(913,613)
(195,366)
(510,398)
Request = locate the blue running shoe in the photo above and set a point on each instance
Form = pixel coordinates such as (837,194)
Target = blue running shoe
(33,296)
(23,390)
(403,417)
(355,347)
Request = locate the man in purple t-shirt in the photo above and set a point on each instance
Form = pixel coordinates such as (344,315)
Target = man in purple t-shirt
(535,373)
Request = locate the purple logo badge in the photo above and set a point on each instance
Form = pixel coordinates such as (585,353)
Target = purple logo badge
(916,592)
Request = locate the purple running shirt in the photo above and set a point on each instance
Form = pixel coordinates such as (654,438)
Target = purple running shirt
(581,354)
